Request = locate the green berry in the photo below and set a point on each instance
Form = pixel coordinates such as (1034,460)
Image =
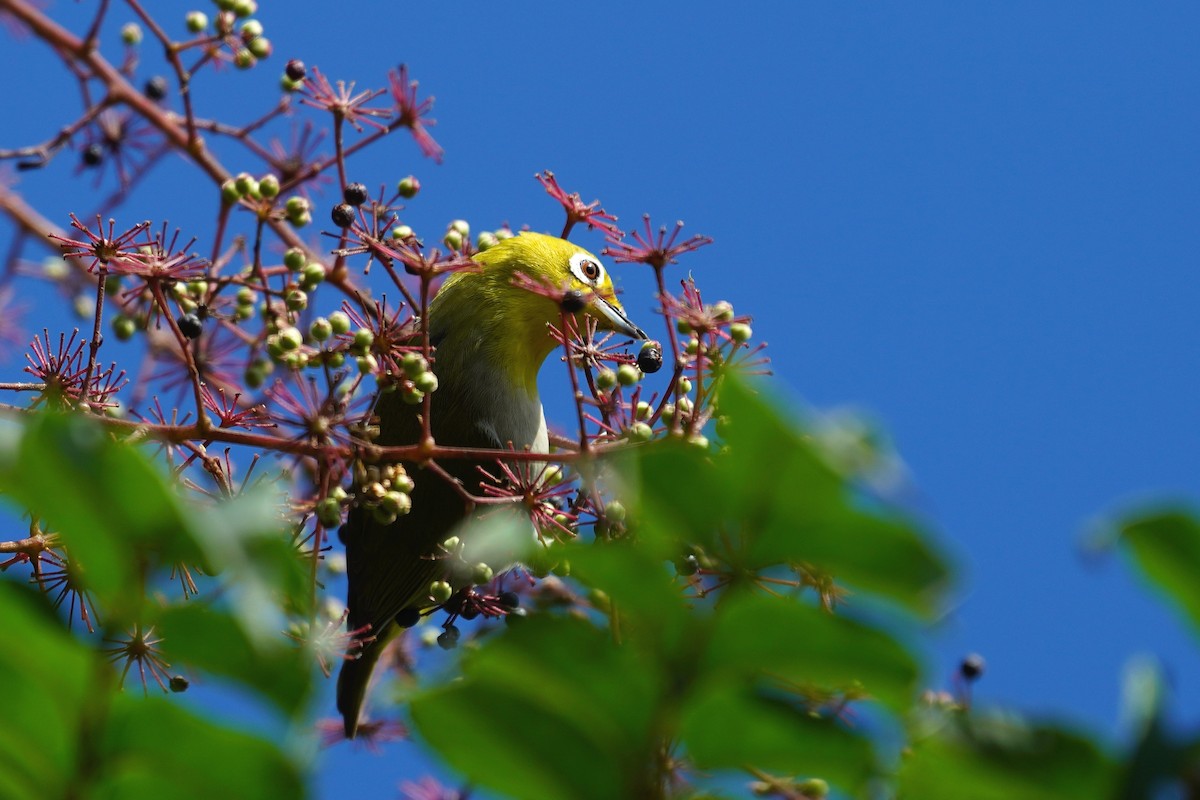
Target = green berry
(124,327)
(606,379)
(329,512)
(402,232)
(296,300)
(486,240)
(340,322)
(451,544)
(504,233)
(453,239)
(408,187)
(290,338)
(396,502)
(296,206)
(414,364)
(683,326)
(313,274)
(614,511)
(815,788)
(197,21)
(131,33)
(427,382)
(640,432)
(268,186)
(628,375)
(320,330)
(363,339)
(411,395)
(230,193)
(684,385)
(740,332)
(481,574)
(461,226)
(246,296)
(251,29)
(366,364)
(440,591)
(403,483)
(643,410)
(722,311)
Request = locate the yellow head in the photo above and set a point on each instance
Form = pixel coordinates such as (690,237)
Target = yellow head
(484,315)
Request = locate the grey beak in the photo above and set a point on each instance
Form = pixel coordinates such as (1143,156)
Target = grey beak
(616,318)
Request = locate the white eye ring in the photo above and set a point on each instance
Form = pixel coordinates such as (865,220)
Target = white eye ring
(587,269)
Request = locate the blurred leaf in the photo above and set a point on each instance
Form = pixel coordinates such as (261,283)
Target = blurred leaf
(728,724)
(1166,547)
(799,509)
(243,539)
(1155,757)
(102,496)
(549,709)
(640,587)
(213,640)
(798,643)
(46,674)
(1001,758)
(65,731)
(152,749)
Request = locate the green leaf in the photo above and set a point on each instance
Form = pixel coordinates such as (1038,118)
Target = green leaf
(797,508)
(152,748)
(48,676)
(1003,757)
(729,724)
(213,640)
(759,634)
(549,709)
(103,497)
(1166,547)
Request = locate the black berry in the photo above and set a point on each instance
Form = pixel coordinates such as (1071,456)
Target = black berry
(156,88)
(190,325)
(510,599)
(650,358)
(343,215)
(93,154)
(972,666)
(572,301)
(448,638)
(687,566)
(355,194)
(469,612)
(295,70)
(408,617)
(179,683)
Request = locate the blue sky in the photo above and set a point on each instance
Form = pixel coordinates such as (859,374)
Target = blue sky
(976,221)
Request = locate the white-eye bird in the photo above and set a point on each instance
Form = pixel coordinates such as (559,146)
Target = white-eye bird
(490,338)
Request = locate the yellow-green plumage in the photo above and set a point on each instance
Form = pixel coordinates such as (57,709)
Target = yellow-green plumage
(490,340)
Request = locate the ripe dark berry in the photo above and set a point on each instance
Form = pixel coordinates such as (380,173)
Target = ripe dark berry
(469,612)
(295,70)
(355,194)
(93,154)
(448,638)
(190,325)
(454,604)
(408,617)
(343,215)
(510,599)
(687,566)
(650,358)
(572,301)
(179,684)
(972,666)
(156,88)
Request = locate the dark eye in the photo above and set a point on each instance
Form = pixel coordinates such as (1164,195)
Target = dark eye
(590,268)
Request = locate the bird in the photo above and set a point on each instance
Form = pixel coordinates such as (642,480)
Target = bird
(489,337)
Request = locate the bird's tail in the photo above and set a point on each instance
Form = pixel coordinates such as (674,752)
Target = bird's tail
(353,680)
